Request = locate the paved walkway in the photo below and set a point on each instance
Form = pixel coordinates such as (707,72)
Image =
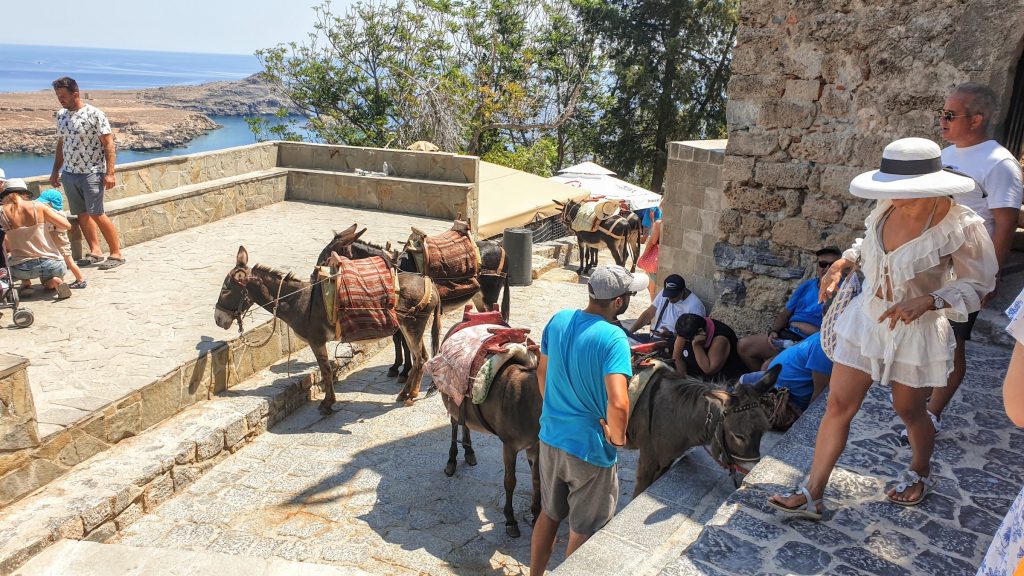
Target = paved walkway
(138,322)
(365,487)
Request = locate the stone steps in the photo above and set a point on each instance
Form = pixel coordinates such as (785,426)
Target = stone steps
(92,559)
(103,495)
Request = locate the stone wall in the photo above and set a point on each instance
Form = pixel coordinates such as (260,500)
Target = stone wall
(18,427)
(160,174)
(398,195)
(435,166)
(693,204)
(817,90)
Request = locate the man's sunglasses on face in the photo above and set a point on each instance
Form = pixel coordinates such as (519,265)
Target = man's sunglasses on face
(824,264)
(949,115)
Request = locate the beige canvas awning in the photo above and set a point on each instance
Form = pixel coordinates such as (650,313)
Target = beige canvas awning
(511,198)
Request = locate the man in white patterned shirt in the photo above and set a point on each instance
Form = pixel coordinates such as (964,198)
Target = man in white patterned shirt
(85,150)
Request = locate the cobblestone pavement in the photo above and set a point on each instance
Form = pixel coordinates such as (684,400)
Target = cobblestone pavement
(365,487)
(138,322)
(978,464)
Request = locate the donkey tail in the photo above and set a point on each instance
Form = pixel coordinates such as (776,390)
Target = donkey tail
(435,329)
(506,300)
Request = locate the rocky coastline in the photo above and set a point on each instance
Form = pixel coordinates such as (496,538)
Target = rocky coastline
(149,119)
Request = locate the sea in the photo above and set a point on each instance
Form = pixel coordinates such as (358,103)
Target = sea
(29,68)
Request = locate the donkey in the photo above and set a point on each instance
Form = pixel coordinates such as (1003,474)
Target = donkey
(621,237)
(675,413)
(512,413)
(300,305)
(493,278)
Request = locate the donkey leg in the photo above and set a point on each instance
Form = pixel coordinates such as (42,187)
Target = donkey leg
(397,339)
(409,361)
(326,377)
(533,457)
(453,451)
(467,444)
(511,526)
(646,471)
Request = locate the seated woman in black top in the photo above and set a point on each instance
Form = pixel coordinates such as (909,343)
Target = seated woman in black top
(706,348)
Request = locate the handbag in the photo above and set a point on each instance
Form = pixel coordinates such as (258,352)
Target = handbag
(849,288)
(649,260)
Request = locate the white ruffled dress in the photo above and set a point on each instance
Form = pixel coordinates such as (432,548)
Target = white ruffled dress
(953,259)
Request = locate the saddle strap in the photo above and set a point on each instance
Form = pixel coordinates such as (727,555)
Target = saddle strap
(428,288)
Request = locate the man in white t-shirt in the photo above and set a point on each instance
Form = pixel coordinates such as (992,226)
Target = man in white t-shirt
(966,121)
(674,300)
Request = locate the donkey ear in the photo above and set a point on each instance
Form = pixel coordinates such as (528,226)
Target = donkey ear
(243,256)
(358,234)
(346,231)
(720,397)
(767,382)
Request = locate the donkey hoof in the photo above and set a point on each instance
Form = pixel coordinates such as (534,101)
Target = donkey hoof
(449,470)
(512,529)
(409,402)
(392,372)
(325,410)
(471,458)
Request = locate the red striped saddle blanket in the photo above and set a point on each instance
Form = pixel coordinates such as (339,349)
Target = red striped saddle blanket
(450,259)
(362,299)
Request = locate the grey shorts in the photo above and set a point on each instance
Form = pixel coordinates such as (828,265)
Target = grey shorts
(569,487)
(84,192)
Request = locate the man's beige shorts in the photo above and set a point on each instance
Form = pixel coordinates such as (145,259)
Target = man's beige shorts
(569,487)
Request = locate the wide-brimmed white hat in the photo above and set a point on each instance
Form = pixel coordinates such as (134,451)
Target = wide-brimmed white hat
(911,168)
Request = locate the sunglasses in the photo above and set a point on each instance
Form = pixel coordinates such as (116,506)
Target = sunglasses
(949,115)
(824,264)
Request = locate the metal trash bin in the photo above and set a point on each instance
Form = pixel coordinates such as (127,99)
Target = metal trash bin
(518,245)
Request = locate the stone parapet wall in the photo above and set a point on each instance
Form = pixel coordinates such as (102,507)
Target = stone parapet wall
(18,427)
(692,207)
(391,194)
(817,90)
(160,174)
(434,166)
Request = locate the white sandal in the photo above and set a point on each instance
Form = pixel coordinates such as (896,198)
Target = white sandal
(909,478)
(809,509)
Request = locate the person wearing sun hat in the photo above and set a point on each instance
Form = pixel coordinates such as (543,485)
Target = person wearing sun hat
(926,260)
(32,254)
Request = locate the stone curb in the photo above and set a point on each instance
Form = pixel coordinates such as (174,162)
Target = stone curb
(106,494)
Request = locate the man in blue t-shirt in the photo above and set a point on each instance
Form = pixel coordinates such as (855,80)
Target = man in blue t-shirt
(805,371)
(583,372)
(800,318)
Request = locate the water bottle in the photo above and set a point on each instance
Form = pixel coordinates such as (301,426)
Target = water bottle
(385,168)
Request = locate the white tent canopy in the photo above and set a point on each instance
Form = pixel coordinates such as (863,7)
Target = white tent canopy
(601,182)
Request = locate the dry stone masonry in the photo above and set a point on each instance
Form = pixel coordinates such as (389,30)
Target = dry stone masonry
(817,90)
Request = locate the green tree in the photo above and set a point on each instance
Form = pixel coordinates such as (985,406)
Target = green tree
(469,75)
(669,70)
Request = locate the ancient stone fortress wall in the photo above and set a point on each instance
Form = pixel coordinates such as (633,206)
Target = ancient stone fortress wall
(693,204)
(817,90)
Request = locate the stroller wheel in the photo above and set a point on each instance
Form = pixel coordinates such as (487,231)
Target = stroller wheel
(24,318)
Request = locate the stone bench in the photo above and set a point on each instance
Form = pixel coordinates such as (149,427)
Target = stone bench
(147,216)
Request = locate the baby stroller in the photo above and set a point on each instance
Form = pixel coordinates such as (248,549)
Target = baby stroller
(23,317)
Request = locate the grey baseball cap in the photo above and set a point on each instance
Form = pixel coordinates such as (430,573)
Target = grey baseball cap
(612,281)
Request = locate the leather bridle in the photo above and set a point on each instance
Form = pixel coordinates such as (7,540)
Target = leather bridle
(727,460)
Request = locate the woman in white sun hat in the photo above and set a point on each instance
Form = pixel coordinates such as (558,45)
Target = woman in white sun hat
(925,259)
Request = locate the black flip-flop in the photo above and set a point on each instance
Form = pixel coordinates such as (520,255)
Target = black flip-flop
(111,263)
(89,260)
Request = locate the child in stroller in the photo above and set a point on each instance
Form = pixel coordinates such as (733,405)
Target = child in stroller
(23,317)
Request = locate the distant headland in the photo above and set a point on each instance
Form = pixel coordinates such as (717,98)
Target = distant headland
(145,119)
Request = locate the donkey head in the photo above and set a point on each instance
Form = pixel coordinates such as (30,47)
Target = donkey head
(341,243)
(234,298)
(736,437)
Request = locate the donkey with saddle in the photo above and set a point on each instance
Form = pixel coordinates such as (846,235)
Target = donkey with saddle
(358,300)
(460,268)
(486,373)
(602,224)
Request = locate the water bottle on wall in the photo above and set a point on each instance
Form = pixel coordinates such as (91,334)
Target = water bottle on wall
(385,168)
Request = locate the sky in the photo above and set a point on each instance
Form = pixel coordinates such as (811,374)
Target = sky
(210,26)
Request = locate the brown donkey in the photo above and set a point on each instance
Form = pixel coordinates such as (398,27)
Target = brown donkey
(300,305)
